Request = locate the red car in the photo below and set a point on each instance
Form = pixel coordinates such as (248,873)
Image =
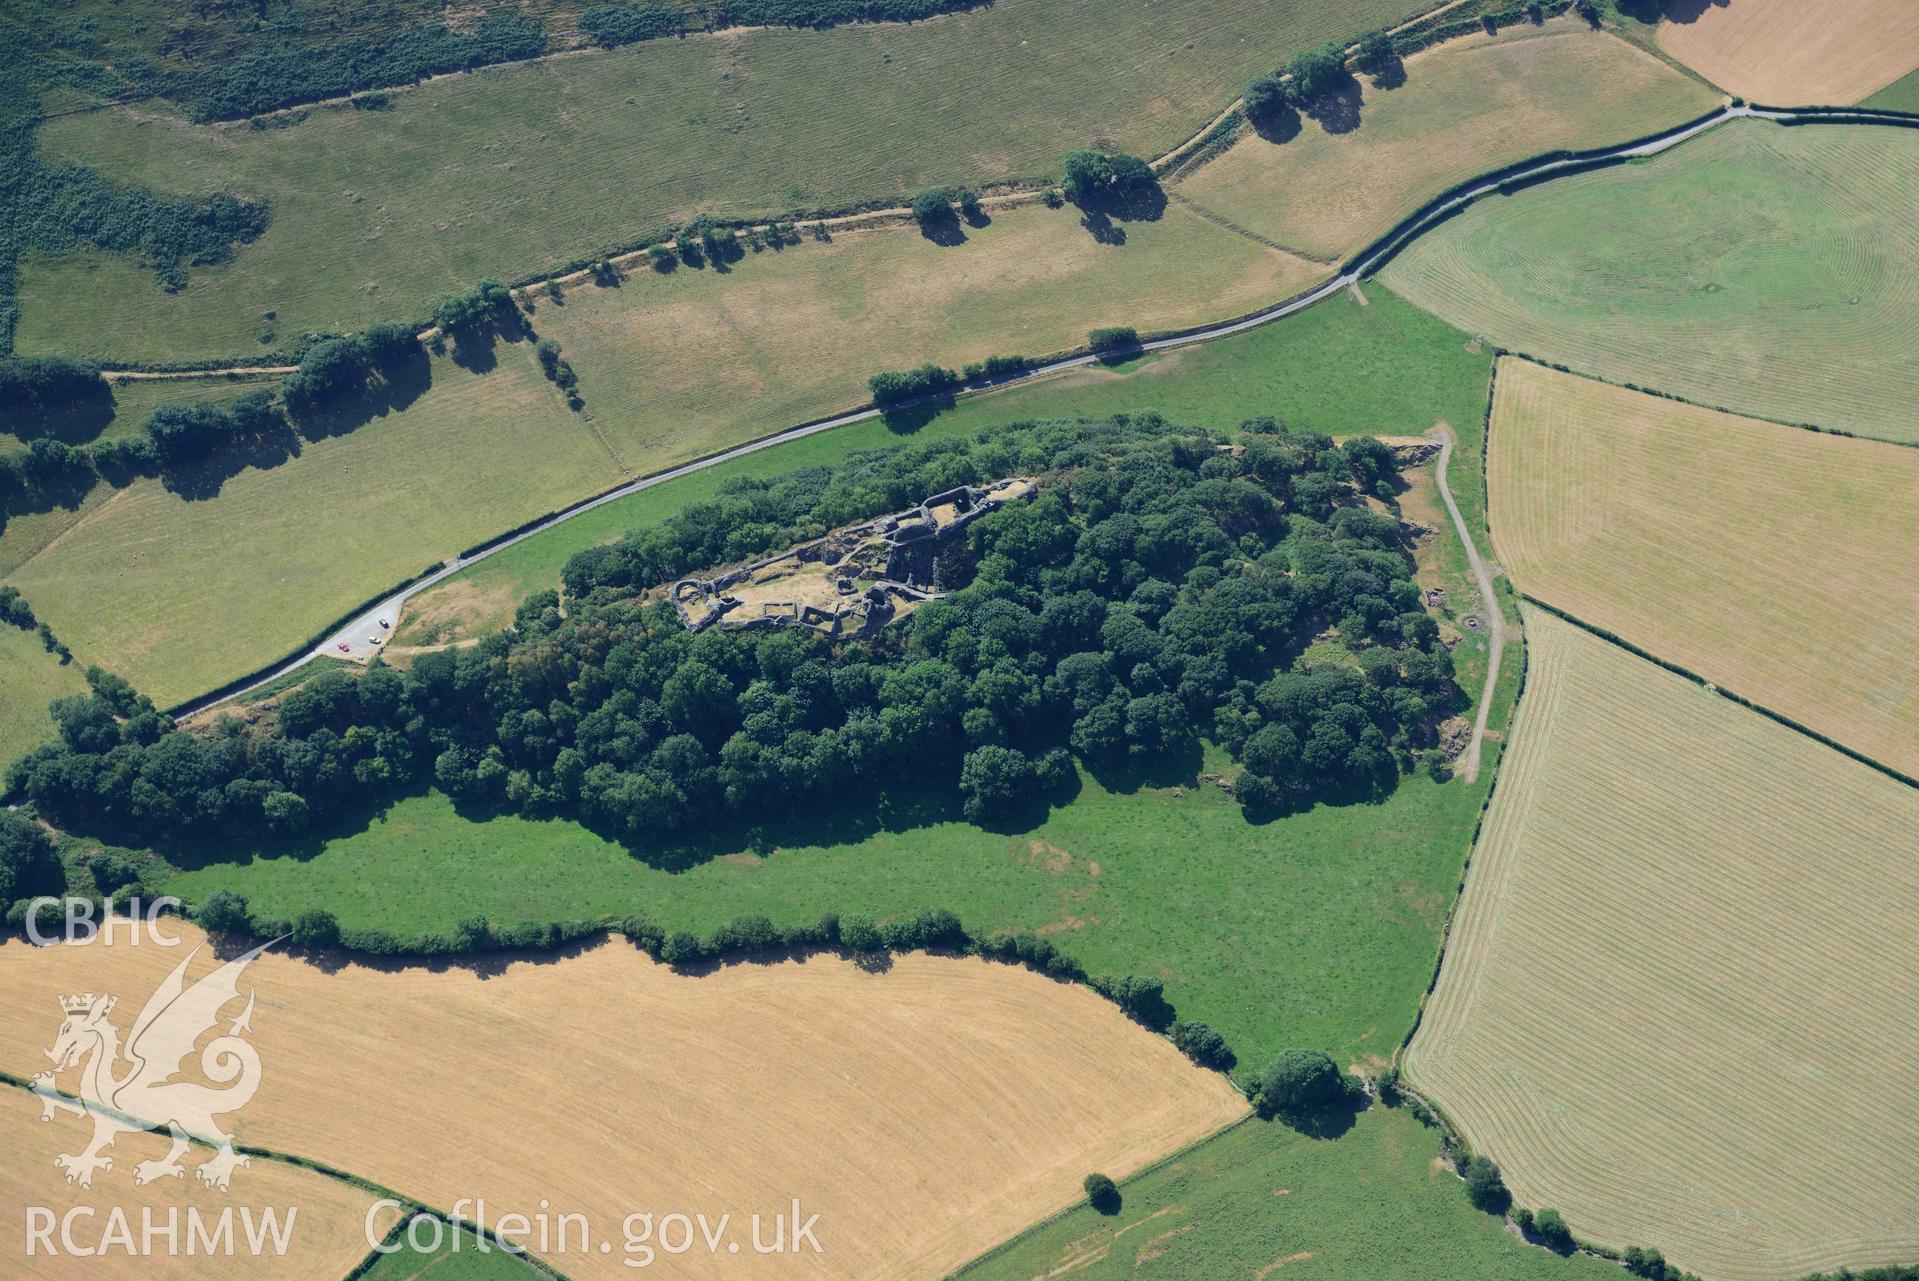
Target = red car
(345,648)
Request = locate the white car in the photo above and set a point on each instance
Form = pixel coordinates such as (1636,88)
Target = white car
(373,640)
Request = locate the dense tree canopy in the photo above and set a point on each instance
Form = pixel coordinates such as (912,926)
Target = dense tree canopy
(1160,589)
(1095,179)
(45,383)
(1316,73)
(1300,1085)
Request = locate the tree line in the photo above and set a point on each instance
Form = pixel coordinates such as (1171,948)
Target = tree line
(50,472)
(1160,590)
(617,24)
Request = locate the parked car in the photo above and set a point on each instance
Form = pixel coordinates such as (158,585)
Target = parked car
(345,648)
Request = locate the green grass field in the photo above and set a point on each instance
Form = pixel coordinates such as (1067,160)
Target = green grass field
(1317,929)
(30,678)
(1900,95)
(1758,268)
(181,596)
(678,365)
(1261,1201)
(508,172)
(1340,368)
(1467,107)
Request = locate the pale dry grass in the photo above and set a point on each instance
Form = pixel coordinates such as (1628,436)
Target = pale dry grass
(679,365)
(1466,107)
(1791,53)
(327,1239)
(925,1113)
(1677,1000)
(182,595)
(1774,561)
(30,678)
(1758,268)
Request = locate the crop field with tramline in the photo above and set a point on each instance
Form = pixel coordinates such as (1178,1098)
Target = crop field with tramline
(1771,560)
(1765,270)
(1681,955)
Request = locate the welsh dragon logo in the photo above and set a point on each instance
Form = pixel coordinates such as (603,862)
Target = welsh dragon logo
(143,1095)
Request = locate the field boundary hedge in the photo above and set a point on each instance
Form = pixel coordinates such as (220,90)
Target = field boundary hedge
(1720,690)
(1564,163)
(1151,1167)
(934,931)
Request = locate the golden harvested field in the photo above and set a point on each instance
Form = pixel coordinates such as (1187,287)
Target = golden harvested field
(1677,1001)
(677,365)
(1468,106)
(1773,561)
(328,1235)
(925,1112)
(1790,53)
(180,596)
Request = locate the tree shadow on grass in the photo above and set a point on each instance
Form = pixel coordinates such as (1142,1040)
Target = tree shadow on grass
(1125,775)
(387,393)
(944,231)
(1339,111)
(1389,75)
(1682,11)
(1280,126)
(1329,1122)
(204,478)
(904,420)
(73,422)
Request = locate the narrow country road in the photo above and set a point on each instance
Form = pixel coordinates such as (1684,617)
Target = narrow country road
(1468,767)
(358,633)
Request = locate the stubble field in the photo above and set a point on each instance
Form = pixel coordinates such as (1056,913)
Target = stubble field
(327,1239)
(1757,268)
(1466,107)
(1773,561)
(1674,1001)
(1787,53)
(507,172)
(592,1081)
